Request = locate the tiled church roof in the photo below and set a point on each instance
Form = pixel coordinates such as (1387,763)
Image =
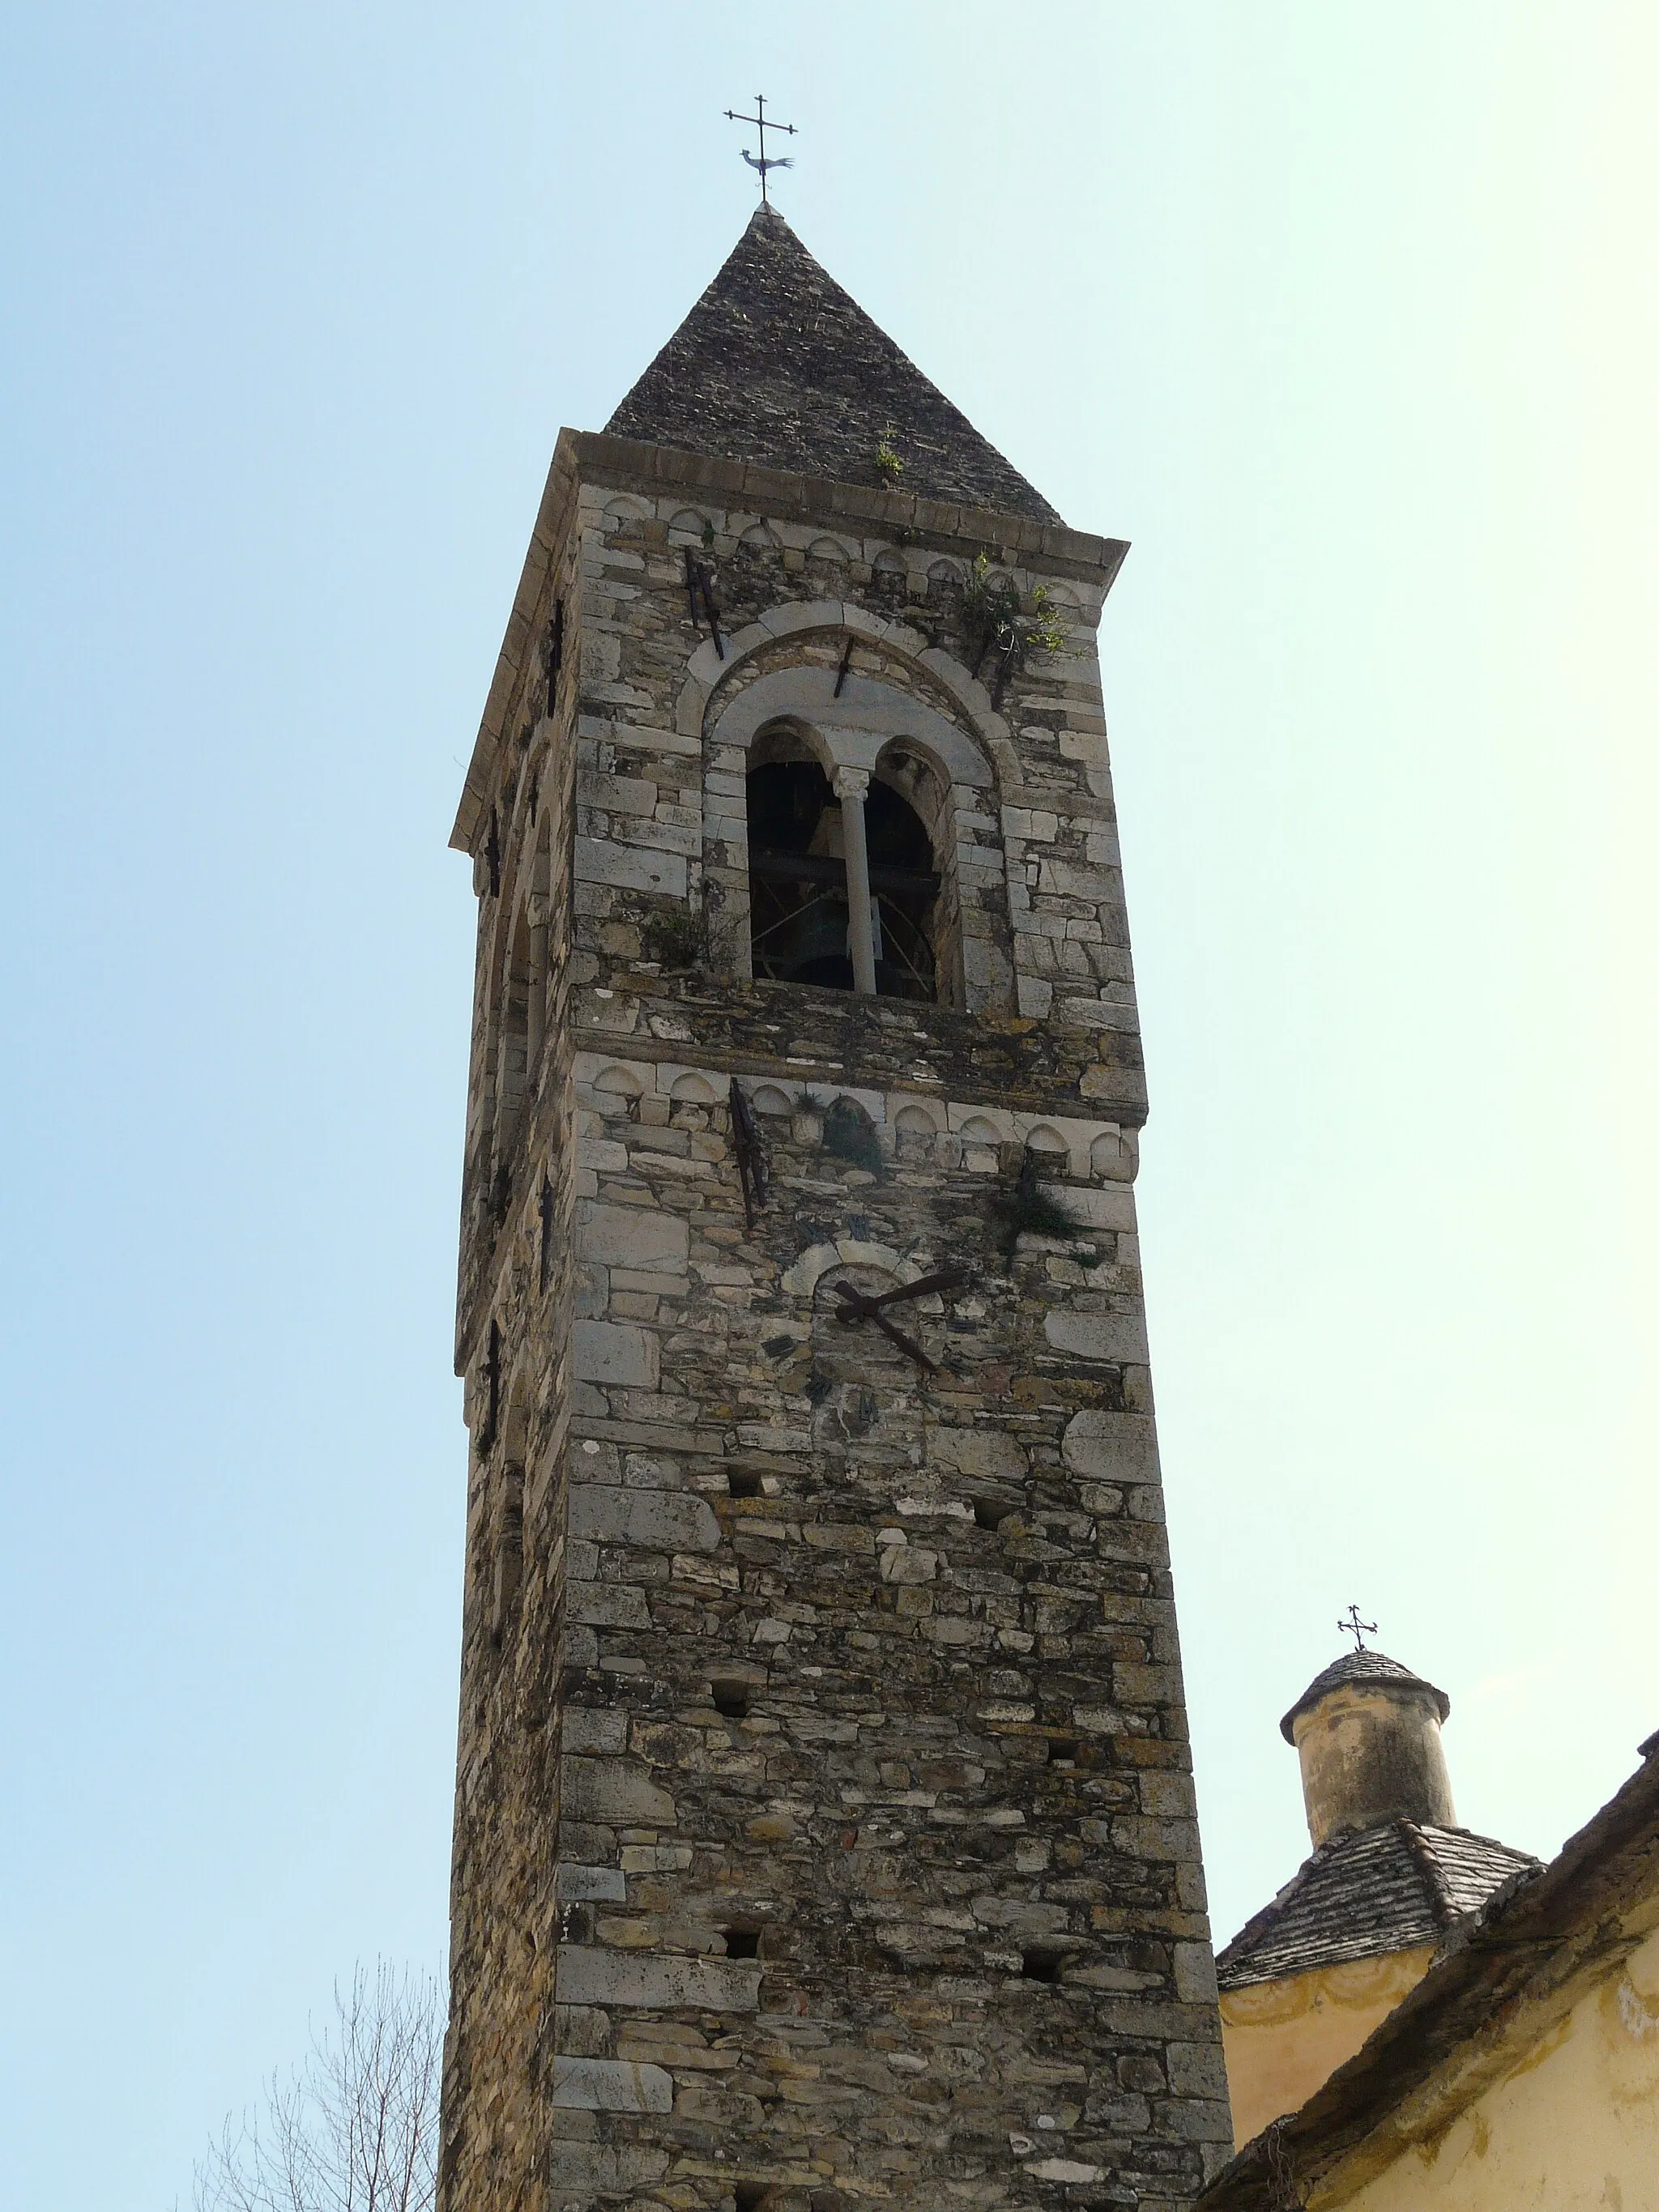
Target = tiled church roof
(1366,1892)
(777,364)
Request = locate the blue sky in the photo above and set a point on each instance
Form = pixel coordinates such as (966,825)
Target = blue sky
(1346,316)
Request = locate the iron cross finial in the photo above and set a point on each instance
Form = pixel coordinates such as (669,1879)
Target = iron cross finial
(1358,1629)
(764,162)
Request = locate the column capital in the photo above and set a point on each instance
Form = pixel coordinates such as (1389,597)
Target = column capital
(851,782)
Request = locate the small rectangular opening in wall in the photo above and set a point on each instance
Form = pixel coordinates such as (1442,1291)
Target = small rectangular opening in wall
(742,1483)
(1062,1752)
(1041,1962)
(742,1942)
(731,1697)
(990,1512)
(750,2196)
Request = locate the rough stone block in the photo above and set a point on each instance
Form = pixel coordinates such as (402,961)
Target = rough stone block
(1196,2069)
(639,1237)
(608,1351)
(586,1975)
(577,1885)
(991,1453)
(607,1605)
(604,2169)
(615,1790)
(612,2085)
(656,1520)
(630,867)
(1111,1447)
(586,1729)
(1113,1336)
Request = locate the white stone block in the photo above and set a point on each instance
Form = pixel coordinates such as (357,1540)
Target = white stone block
(612,1790)
(1112,1206)
(586,1975)
(588,1728)
(589,1885)
(591,2169)
(1097,1335)
(1096,1014)
(606,1604)
(992,1453)
(612,1351)
(656,1520)
(616,794)
(602,1156)
(1109,1447)
(630,867)
(1065,879)
(633,1236)
(610,2085)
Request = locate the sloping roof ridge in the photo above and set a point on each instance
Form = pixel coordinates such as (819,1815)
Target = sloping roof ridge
(1429,1829)
(1349,1843)
(1434,1881)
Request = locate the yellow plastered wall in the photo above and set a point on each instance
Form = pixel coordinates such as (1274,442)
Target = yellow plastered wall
(1572,2127)
(1282,2038)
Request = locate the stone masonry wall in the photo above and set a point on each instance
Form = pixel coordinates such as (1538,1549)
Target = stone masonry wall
(824,1832)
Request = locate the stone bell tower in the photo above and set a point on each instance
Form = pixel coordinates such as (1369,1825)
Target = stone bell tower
(824,1830)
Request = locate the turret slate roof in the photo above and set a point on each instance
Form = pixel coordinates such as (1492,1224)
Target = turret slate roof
(777,364)
(1360,1667)
(1366,1892)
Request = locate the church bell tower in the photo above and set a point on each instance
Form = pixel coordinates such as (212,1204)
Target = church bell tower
(825,1834)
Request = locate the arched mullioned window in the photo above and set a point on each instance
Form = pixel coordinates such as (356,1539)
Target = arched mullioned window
(864,853)
(803,923)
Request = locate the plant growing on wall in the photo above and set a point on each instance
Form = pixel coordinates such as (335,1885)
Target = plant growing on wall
(890,464)
(675,940)
(992,623)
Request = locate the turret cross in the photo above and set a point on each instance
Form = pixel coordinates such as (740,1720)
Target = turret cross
(1358,1629)
(764,161)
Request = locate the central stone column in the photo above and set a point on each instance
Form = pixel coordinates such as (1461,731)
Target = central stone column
(851,786)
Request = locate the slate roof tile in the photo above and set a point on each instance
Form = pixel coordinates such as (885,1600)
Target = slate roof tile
(777,364)
(1364,1666)
(1366,1892)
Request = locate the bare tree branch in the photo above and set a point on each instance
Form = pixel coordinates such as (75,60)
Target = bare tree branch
(355,2127)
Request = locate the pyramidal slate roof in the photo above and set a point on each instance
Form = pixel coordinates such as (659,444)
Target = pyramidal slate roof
(1369,1891)
(1373,1667)
(777,364)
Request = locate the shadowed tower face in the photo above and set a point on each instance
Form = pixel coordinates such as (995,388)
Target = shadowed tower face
(824,1833)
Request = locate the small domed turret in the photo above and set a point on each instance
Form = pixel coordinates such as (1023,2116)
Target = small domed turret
(1367,1732)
